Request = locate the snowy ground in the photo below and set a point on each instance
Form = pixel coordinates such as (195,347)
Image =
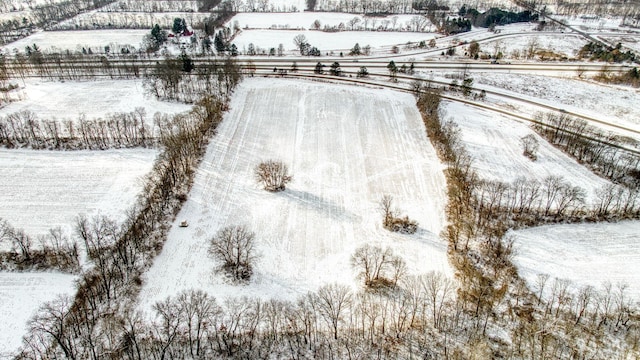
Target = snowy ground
(95,99)
(607,102)
(339,41)
(59,41)
(346,147)
(630,41)
(130,20)
(559,43)
(41,189)
(493,140)
(592,23)
(585,254)
(21,294)
(305,20)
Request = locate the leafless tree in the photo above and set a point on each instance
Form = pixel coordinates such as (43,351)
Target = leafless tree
(530,146)
(438,289)
(333,302)
(273,175)
(198,309)
(378,268)
(392,221)
(51,323)
(234,246)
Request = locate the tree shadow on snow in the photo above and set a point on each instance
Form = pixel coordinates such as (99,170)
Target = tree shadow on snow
(319,205)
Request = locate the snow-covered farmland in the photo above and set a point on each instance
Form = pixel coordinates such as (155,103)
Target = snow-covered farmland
(608,102)
(21,294)
(493,141)
(75,40)
(339,41)
(130,20)
(585,254)
(95,99)
(346,147)
(330,19)
(42,189)
(559,43)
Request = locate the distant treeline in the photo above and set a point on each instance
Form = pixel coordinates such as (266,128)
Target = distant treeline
(472,17)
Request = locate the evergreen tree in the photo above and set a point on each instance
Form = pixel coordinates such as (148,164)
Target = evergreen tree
(187,63)
(319,69)
(335,69)
(219,43)
(179,26)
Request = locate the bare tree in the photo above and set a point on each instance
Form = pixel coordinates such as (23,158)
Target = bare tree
(300,41)
(377,267)
(438,289)
(273,175)
(333,301)
(198,308)
(50,324)
(392,221)
(530,146)
(233,245)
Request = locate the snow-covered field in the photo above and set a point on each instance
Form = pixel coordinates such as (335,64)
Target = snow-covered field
(130,20)
(42,189)
(608,102)
(631,41)
(59,41)
(585,254)
(493,140)
(95,99)
(591,22)
(346,147)
(21,294)
(559,43)
(340,41)
(305,20)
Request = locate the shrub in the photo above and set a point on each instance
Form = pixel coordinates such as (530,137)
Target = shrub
(392,221)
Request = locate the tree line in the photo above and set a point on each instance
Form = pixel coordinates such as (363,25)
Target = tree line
(86,327)
(603,153)
(490,287)
(54,250)
(45,14)
(119,130)
(176,79)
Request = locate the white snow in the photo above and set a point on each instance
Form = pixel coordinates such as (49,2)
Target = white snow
(566,44)
(326,41)
(95,99)
(75,40)
(346,147)
(493,141)
(608,102)
(40,190)
(21,294)
(585,254)
(304,20)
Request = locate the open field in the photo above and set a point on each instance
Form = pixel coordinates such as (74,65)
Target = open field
(560,44)
(304,20)
(608,102)
(21,294)
(346,147)
(339,41)
(75,40)
(585,254)
(95,99)
(44,189)
(494,143)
